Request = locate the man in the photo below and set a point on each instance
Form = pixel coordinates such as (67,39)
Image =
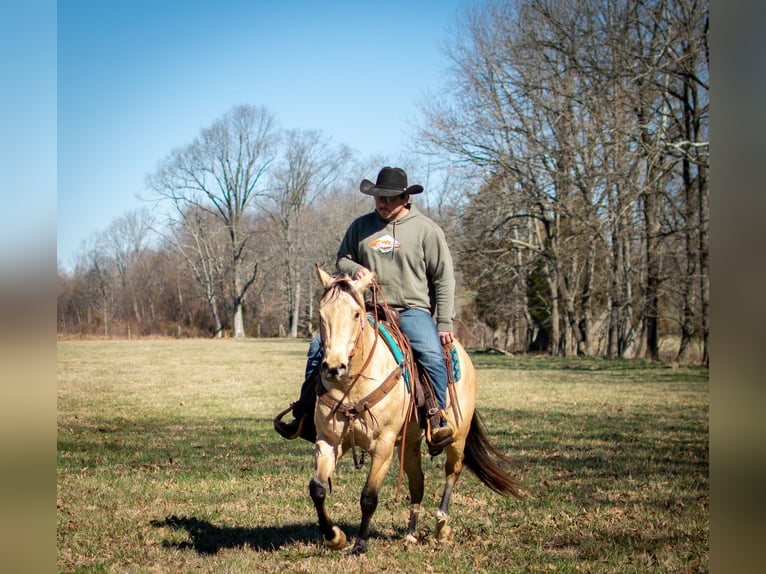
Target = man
(413,267)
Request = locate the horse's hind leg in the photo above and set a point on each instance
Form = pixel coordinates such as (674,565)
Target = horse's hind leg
(325,460)
(414,472)
(453,467)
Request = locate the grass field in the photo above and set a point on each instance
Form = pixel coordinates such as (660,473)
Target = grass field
(167,462)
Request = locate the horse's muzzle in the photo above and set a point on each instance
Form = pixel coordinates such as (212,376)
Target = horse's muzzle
(334,372)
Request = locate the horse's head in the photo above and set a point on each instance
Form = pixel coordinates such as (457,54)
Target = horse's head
(341,321)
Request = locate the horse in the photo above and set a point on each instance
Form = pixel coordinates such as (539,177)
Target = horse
(367,404)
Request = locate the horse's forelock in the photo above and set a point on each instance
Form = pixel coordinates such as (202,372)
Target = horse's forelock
(339,286)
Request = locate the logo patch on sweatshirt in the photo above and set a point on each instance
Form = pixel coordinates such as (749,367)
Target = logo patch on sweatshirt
(385,244)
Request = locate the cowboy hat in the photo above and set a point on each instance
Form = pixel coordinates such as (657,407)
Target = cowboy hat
(392,181)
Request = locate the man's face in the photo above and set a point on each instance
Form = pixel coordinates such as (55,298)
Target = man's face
(391,208)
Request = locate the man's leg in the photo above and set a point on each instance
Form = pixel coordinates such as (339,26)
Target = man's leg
(303,409)
(426,346)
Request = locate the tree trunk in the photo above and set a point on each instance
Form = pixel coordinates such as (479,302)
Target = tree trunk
(651,311)
(239,322)
(212,303)
(555,341)
(296,310)
(106,316)
(651,305)
(310,317)
(585,344)
(688,328)
(704,250)
(238,319)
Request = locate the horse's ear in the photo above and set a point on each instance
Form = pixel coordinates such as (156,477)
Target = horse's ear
(324,277)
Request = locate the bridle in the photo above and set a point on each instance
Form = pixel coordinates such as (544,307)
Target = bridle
(342,405)
(362,322)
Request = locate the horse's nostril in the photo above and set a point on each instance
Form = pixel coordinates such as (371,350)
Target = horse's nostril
(334,371)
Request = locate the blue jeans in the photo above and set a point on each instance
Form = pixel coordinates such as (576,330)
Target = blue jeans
(313,356)
(426,346)
(427,350)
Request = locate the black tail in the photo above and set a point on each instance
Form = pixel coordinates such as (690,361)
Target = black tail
(484,460)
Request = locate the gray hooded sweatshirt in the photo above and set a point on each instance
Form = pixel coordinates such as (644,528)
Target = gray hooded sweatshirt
(411,261)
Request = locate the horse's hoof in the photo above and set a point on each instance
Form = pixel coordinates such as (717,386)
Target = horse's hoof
(360,547)
(410,539)
(443,530)
(338,541)
(444,534)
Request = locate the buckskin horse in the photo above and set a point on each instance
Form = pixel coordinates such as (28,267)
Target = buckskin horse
(367,404)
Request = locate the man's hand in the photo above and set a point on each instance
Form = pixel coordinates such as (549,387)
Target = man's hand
(446,337)
(361,272)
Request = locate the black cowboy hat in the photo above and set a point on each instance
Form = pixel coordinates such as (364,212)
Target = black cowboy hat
(392,181)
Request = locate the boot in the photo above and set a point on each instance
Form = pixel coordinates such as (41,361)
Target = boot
(291,430)
(442,434)
(303,412)
(439,433)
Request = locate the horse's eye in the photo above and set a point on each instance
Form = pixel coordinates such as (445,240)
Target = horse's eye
(356,315)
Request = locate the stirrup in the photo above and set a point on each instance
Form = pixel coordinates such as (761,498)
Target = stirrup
(286,429)
(435,448)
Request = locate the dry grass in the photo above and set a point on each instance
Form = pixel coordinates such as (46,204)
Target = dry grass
(167,463)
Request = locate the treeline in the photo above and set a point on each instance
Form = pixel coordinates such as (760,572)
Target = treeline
(154,274)
(568,162)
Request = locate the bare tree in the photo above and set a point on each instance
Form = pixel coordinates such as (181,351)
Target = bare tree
(126,242)
(575,103)
(688,145)
(101,278)
(200,239)
(220,172)
(496,253)
(518,119)
(309,166)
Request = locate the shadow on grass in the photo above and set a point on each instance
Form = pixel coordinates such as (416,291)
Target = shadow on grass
(207,538)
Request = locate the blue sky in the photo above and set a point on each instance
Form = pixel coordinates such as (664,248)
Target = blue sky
(137,78)
(27,135)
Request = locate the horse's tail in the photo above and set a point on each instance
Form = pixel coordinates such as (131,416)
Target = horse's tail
(484,460)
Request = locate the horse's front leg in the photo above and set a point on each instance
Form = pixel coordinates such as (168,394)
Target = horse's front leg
(325,459)
(380,461)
